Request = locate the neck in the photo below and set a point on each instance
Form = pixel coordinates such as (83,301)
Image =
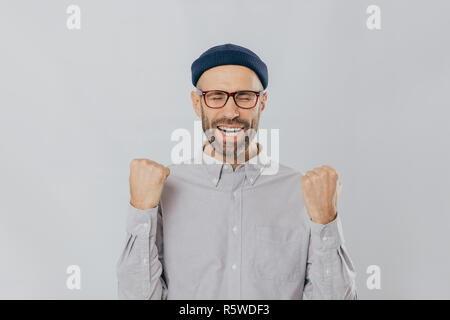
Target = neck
(252,151)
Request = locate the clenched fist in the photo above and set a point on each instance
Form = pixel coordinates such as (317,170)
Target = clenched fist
(146,183)
(321,189)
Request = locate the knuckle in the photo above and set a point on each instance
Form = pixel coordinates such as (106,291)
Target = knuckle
(159,171)
(329,168)
(152,166)
(331,171)
(134,162)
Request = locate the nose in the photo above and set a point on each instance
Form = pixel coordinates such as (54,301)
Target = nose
(230,109)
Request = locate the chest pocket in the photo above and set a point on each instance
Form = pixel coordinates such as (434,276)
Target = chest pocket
(279,253)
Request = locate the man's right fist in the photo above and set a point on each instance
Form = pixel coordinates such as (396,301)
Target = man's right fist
(146,183)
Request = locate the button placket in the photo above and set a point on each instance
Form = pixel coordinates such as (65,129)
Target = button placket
(236,233)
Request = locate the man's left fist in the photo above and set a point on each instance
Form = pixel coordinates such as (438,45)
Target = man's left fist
(321,189)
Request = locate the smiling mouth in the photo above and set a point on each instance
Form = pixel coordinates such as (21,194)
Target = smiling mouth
(230,131)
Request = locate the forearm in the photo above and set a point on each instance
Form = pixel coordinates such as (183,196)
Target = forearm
(139,269)
(330,272)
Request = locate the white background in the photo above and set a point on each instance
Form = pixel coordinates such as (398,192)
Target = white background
(78,105)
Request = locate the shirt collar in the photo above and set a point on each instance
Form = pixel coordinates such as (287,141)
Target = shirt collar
(253,167)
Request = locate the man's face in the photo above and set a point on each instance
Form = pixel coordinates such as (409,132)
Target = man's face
(218,124)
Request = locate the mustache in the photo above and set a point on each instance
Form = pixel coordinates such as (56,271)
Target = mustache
(214,124)
(231,122)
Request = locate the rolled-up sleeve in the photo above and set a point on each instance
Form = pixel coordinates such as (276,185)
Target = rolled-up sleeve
(139,269)
(329,272)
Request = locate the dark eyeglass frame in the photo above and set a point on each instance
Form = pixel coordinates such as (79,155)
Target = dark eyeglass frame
(229,94)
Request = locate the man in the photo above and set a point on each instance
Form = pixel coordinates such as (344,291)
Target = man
(224,227)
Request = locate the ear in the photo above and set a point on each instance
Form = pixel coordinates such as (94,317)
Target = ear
(196,103)
(263,100)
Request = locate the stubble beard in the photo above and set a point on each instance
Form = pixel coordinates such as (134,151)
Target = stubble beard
(237,152)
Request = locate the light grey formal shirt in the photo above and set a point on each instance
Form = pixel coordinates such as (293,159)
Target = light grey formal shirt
(224,234)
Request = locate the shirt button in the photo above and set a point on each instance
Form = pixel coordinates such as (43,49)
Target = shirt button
(145,260)
(325,238)
(327,271)
(145,225)
(236,194)
(234,229)
(234,266)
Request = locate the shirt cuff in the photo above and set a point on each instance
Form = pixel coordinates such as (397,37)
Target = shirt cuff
(327,236)
(140,222)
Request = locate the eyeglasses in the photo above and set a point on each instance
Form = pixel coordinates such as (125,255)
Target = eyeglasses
(215,99)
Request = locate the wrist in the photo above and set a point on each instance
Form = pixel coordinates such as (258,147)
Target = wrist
(324,219)
(142,205)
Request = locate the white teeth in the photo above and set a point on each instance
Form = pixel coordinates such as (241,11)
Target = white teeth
(230,132)
(228,129)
